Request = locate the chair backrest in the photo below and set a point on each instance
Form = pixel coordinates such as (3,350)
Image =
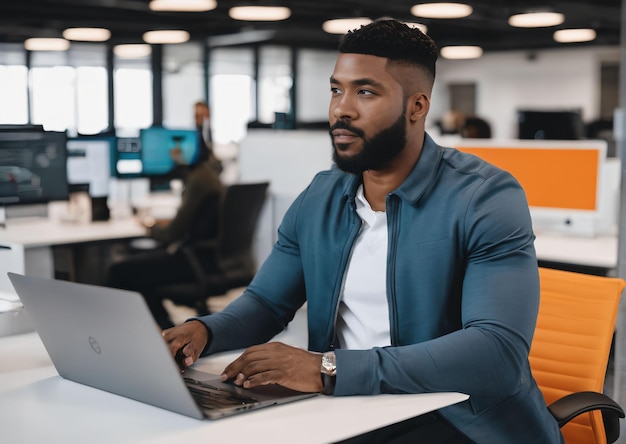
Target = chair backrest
(572,342)
(205,225)
(240,214)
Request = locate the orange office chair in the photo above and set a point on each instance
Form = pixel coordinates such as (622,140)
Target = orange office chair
(570,352)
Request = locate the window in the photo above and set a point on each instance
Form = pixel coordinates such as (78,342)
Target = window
(13,85)
(232,93)
(91,87)
(183,83)
(69,89)
(52,98)
(313,90)
(275,82)
(133,95)
(91,100)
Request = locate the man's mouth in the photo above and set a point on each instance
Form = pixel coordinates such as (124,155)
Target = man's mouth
(342,136)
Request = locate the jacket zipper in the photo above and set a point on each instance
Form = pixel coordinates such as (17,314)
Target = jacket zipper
(392,245)
(347,252)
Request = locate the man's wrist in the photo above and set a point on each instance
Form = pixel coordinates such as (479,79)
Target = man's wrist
(209,334)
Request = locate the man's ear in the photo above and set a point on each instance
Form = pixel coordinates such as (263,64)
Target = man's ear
(419,104)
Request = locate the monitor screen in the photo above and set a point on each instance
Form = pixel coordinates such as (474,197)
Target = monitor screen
(550,125)
(33,166)
(127,158)
(89,162)
(159,146)
(567,183)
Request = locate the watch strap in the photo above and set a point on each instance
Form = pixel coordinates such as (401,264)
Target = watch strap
(328,383)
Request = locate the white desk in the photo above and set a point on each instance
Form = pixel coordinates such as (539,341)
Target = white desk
(32,233)
(31,239)
(26,248)
(600,251)
(37,405)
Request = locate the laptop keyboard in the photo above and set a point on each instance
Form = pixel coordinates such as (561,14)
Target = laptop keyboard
(211,397)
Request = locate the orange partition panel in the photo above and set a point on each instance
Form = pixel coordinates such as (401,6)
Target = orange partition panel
(551,177)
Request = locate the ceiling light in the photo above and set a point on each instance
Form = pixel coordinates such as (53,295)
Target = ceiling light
(46,44)
(442,10)
(132,51)
(259,13)
(165,37)
(461,52)
(419,26)
(183,5)
(342,26)
(536,19)
(574,35)
(87,34)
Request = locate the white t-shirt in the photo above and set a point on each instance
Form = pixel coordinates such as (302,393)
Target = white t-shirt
(363,318)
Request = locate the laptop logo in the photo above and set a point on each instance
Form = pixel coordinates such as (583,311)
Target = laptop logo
(94,345)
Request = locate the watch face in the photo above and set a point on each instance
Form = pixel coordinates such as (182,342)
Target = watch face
(329,363)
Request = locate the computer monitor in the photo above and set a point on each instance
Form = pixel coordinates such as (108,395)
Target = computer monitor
(550,125)
(89,161)
(33,166)
(127,159)
(159,145)
(569,185)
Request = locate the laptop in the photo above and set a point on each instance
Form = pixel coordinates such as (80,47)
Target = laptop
(107,338)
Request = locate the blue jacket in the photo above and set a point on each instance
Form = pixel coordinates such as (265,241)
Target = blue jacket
(462,286)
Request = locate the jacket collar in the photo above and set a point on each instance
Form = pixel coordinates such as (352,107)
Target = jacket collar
(418,180)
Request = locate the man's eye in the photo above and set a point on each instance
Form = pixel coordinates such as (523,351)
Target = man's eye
(365,92)
(335,90)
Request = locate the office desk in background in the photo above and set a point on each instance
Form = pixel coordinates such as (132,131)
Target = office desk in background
(29,246)
(37,405)
(26,243)
(594,255)
(32,239)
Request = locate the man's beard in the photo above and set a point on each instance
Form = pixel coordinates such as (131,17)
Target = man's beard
(377,152)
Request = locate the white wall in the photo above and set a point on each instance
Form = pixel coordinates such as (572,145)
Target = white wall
(508,81)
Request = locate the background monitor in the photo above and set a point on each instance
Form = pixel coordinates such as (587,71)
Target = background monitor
(550,125)
(33,166)
(127,159)
(157,144)
(89,161)
(569,185)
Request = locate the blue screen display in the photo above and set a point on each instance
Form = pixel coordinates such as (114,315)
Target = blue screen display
(159,147)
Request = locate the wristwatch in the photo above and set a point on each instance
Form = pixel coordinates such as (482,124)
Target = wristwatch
(328,371)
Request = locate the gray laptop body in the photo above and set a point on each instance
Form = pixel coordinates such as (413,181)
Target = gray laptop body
(107,339)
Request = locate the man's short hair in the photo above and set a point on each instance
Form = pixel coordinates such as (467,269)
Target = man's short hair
(394,41)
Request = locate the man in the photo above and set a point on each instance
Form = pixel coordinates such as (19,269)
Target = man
(202,117)
(416,262)
(476,128)
(197,217)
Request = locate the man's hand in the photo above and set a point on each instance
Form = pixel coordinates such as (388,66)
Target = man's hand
(276,363)
(186,342)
